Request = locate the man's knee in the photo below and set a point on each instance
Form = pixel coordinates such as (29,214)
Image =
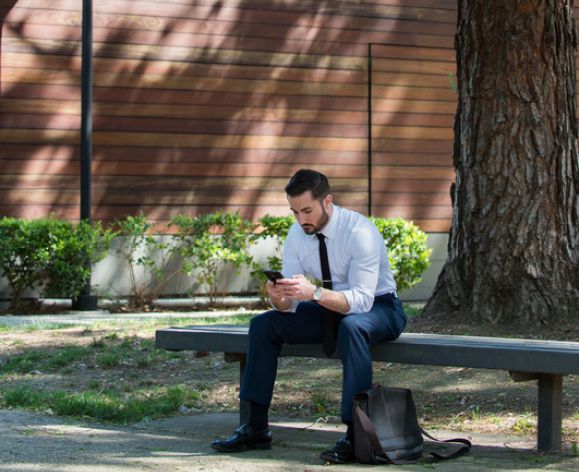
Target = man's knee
(351,323)
(261,324)
(350,327)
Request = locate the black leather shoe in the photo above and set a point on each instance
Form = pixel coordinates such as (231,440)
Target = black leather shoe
(244,439)
(342,453)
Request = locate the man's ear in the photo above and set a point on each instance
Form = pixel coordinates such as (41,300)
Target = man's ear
(328,199)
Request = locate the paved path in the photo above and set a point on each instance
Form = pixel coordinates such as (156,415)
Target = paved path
(37,442)
(88,317)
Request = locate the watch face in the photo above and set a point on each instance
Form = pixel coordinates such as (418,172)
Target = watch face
(317,293)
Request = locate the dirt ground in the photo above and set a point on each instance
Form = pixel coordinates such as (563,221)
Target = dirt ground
(484,405)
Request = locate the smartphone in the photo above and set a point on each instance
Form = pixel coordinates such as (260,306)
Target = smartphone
(273,275)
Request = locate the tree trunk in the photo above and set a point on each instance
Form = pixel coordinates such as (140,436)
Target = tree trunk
(513,249)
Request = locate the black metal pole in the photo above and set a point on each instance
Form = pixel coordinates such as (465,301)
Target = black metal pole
(369,111)
(86,301)
(86,116)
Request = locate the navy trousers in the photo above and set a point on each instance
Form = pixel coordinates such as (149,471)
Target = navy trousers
(357,333)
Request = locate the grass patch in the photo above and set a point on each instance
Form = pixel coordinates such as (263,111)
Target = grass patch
(322,405)
(22,397)
(33,327)
(412,310)
(67,356)
(143,324)
(110,407)
(109,352)
(44,326)
(525,424)
(122,324)
(23,363)
(36,360)
(238,319)
(155,323)
(109,360)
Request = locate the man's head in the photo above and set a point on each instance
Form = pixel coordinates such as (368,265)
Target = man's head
(310,200)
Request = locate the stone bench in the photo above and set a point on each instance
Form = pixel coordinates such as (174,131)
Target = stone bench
(525,359)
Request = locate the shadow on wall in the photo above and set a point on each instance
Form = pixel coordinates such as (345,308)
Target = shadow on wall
(197,107)
(213,105)
(4,12)
(254,97)
(40,133)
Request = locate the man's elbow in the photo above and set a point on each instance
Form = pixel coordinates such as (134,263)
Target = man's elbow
(363,303)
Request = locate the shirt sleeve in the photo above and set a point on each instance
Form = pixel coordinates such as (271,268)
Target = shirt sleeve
(291,264)
(363,273)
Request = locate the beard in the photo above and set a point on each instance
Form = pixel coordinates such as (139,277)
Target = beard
(313,229)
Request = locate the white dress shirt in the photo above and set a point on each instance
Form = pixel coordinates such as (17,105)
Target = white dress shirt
(356,253)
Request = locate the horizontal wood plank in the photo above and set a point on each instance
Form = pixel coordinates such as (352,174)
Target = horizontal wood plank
(416,67)
(232,170)
(193,169)
(409,172)
(175,53)
(223,113)
(162,215)
(187,69)
(432,204)
(408,132)
(168,125)
(399,91)
(241,101)
(168,154)
(122,25)
(439,21)
(46,109)
(185,97)
(215,184)
(185,140)
(227,128)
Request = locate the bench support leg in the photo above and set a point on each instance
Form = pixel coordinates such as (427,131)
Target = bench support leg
(243,405)
(550,416)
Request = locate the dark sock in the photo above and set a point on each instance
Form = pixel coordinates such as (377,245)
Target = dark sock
(258,416)
(349,431)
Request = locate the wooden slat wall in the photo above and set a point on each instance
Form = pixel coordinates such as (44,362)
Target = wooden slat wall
(212,104)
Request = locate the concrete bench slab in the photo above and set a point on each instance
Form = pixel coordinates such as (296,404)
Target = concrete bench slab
(525,359)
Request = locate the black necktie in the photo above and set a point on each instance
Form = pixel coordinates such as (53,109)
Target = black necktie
(330,317)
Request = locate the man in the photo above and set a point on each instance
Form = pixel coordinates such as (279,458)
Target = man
(358,297)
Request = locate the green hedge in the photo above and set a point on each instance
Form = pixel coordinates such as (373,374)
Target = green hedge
(54,256)
(408,253)
(50,255)
(208,242)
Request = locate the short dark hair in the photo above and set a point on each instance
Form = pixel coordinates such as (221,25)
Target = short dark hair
(307,179)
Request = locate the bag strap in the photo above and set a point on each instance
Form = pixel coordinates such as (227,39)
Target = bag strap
(370,435)
(439,457)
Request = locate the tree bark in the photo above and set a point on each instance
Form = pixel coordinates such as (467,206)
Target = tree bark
(513,249)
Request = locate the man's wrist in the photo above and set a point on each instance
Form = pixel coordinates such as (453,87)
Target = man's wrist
(317,294)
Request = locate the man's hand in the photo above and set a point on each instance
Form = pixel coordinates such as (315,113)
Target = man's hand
(276,293)
(297,288)
(300,289)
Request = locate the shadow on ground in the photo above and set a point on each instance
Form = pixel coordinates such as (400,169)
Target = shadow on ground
(41,442)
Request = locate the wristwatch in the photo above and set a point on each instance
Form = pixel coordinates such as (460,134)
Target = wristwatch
(317,294)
